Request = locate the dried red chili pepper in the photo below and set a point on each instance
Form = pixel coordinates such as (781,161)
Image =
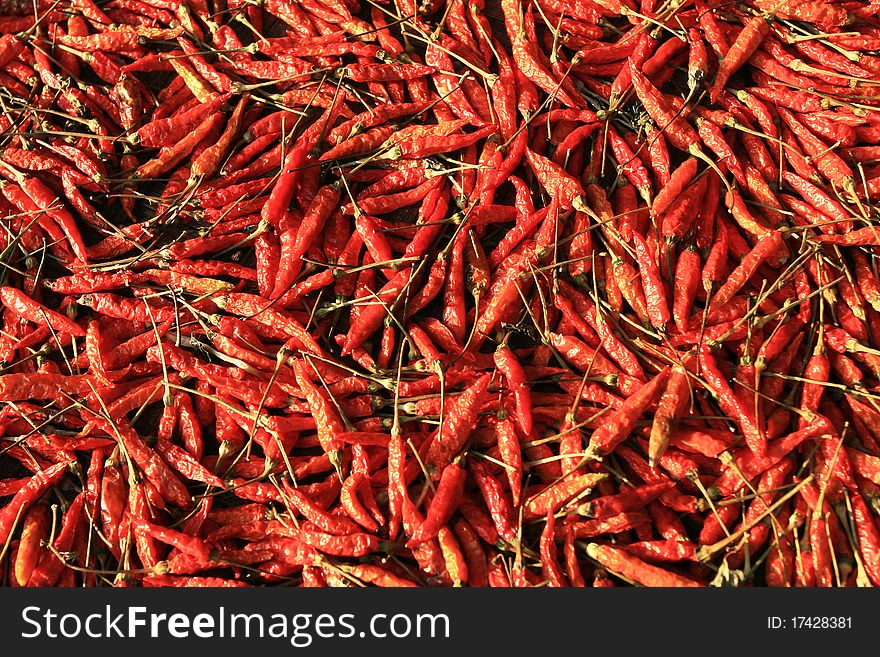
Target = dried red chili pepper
(746,43)
(617,426)
(617,560)
(14,511)
(452,435)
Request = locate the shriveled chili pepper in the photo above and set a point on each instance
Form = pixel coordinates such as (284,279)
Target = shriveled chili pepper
(496,500)
(655,293)
(13,512)
(670,408)
(553,498)
(617,426)
(446,498)
(452,436)
(35,527)
(746,43)
(619,561)
(25,307)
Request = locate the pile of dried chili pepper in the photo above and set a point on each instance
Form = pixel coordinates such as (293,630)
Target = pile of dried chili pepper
(439,293)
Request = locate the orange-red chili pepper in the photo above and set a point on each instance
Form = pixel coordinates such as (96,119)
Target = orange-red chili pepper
(617,426)
(619,561)
(23,306)
(747,42)
(27,496)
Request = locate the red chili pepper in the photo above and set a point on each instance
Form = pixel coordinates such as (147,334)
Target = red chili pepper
(868,537)
(747,42)
(50,567)
(617,426)
(25,307)
(630,165)
(452,435)
(444,503)
(677,130)
(731,404)
(549,560)
(496,501)
(633,568)
(554,497)
(14,511)
(379,576)
(35,527)
(564,189)
(765,249)
(209,162)
(369,519)
(831,165)
(170,156)
(679,180)
(510,367)
(655,293)
(670,409)
(611,343)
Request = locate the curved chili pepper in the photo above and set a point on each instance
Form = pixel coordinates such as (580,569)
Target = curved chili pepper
(446,498)
(678,181)
(617,426)
(496,501)
(677,130)
(452,436)
(747,42)
(655,293)
(510,367)
(669,410)
(50,568)
(28,495)
(25,307)
(619,561)
(563,188)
